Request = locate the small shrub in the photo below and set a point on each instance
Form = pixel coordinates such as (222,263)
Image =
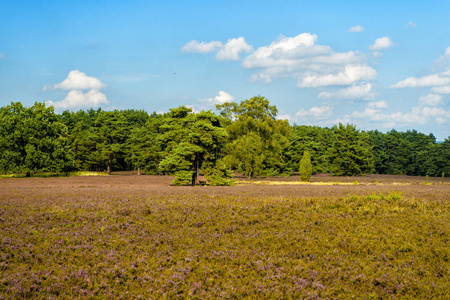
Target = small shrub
(395,196)
(182,178)
(218,174)
(305,167)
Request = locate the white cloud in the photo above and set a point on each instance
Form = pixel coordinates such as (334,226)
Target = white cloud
(318,113)
(431,99)
(411,24)
(438,79)
(378,104)
(284,117)
(231,50)
(417,115)
(299,57)
(77,80)
(356,28)
(350,74)
(222,98)
(352,92)
(381,44)
(443,60)
(194,46)
(441,89)
(369,113)
(78,99)
(2,55)
(286,52)
(311,64)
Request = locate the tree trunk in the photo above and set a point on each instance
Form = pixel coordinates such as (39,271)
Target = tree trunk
(195,174)
(139,171)
(194,178)
(109,168)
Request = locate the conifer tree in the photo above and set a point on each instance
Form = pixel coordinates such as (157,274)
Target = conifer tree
(305,167)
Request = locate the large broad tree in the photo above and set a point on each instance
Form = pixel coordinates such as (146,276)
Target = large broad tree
(351,152)
(254,122)
(193,141)
(33,140)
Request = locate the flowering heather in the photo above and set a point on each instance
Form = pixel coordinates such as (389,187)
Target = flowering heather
(138,237)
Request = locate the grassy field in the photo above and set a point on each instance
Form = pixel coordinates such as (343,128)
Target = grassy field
(109,237)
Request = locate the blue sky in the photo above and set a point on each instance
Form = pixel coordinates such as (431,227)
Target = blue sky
(376,64)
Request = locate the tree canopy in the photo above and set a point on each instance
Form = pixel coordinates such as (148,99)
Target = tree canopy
(245,137)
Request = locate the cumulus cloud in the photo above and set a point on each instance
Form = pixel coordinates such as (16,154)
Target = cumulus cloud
(370,113)
(377,104)
(232,49)
(316,112)
(381,44)
(77,80)
(194,46)
(441,89)
(356,28)
(431,99)
(228,51)
(222,98)
(353,92)
(350,74)
(78,99)
(311,64)
(417,115)
(439,82)
(439,79)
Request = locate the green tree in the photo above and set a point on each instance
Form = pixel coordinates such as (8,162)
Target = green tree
(351,153)
(254,120)
(314,139)
(143,146)
(305,167)
(110,133)
(33,140)
(245,154)
(192,141)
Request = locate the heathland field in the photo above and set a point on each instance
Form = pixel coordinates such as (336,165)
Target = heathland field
(126,236)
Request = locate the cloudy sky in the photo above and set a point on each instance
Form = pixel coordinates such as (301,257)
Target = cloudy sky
(376,64)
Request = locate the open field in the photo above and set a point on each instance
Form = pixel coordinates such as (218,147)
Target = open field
(374,237)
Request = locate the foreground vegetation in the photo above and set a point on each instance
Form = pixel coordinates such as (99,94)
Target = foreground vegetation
(136,237)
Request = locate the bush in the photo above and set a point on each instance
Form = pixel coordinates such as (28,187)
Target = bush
(218,174)
(305,167)
(182,178)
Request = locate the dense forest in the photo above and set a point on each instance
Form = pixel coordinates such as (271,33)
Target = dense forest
(245,137)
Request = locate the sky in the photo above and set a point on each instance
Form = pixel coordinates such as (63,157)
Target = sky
(376,64)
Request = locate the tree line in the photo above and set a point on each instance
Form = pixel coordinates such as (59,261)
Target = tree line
(245,137)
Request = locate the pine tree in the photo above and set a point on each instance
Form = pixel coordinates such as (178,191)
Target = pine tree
(305,167)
